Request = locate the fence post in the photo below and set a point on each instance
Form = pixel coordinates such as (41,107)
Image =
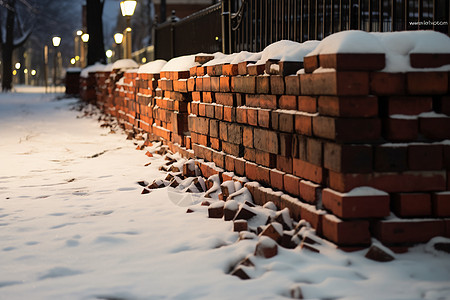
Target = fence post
(226,14)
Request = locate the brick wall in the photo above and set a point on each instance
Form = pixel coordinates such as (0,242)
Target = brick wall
(314,136)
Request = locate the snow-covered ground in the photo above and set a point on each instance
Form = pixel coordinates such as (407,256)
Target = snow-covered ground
(74,225)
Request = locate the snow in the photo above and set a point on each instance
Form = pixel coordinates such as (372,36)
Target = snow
(97,67)
(74,225)
(181,63)
(124,64)
(286,50)
(153,67)
(397,46)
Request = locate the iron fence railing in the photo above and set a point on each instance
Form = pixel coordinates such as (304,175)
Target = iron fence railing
(251,25)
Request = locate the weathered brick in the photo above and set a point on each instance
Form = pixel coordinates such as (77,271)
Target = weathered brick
(409,105)
(246,84)
(291,184)
(255,69)
(362,106)
(229,114)
(268,101)
(241,115)
(400,129)
(218,111)
(276,179)
(425,157)
(277,85)
(382,83)
(307,104)
(310,191)
(307,171)
(284,164)
(353,61)
(262,84)
(265,140)
(266,159)
(427,83)
(215,84)
(250,154)
(224,84)
(234,133)
(251,171)
(435,128)
(264,118)
(411,204)
(286,121)
(348,158)
(345,232)
(232,149)
(348,129)
(391,158)
(441,204)
(392,232)
(230,70)
(247,136)
(228,99)
(303,123)
(252,116)
(411,181)
(335,83)
(285,144)
(292,83)
(429,60)
(311,63)
(356,205)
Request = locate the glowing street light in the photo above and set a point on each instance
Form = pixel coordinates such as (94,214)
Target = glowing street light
(109,53)
(73,61)
(85,37)
(127,7)
(118,38)
(79,32)
(56,40)
(17,65)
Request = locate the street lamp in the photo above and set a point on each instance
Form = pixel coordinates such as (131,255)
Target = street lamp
(127,7)
(56,40)
(118,38)
(84,39)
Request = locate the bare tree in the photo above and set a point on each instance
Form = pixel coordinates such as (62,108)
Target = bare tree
(96,47)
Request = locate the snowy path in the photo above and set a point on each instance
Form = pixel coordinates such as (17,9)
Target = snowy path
(74,225)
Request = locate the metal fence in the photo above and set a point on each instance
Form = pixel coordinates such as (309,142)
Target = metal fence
(251,25)
(200,32)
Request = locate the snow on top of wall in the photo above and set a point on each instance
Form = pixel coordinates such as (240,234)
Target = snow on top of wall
(97,67)
(73,70)
(153,67)
(360,192)
(287,51)
(125,64)
(182,63)
(234,58)
(108,68)
(397,46)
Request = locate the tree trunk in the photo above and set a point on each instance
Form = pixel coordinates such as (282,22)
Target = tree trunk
(96,47)
(7,47)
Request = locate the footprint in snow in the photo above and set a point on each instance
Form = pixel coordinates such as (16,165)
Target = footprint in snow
(59,272)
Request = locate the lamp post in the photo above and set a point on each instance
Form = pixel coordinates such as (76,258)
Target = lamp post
(78,47)
(84,39)
(118,38)
(127,7)
(56,40)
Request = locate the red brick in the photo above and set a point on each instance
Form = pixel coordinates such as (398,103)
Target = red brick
(215,143)
(230,70)
(409,105)
(232,149)
(445,105)
(202,109)
(307,171)
(309,191)
(303,124)
(210,110)
(245,84)
(441,204)
(345,232)
(251,171)
(311,63)
(252,100)
(223,131)
(348,158)
(247,136)
(214,128)
(288,102)
(262,84)
(425,157)
(191,84)
(241,115)
(292,83)
(224,84)
(239,166)
(228,99)
(207,84)
(266,159)
(291,184)
(284,164)
(219,159)
(286,121)
(215,84)
(256,69)
(268,101)
(196,96)
(353,61)
(285,144)
(250,154)
(252,116)
(314,151)
(348,129)
(276,179)
(435,128)
(429,60)
(411,181)
(265,140)
(366,106)
(234,133)
(446,159)
(411,204)
(229,163)
(242,67)
(299,147)
(391,158)
(427,83)
(351,205)
(335,83)
(263,175)
(264,118)
(391,232)
(401,129)
(218,111)
(229,114)
(277,85)
(199,84)
(307,104)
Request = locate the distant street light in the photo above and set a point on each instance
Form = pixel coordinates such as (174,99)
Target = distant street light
(85,37)
(56,40)
(17,65)
(127,7)
(118,38)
